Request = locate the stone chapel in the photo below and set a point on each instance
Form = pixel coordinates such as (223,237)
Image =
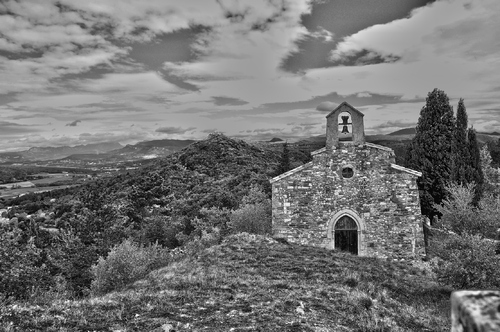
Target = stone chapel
(351,196)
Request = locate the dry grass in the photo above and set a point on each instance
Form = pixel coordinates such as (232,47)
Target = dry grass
(252,283)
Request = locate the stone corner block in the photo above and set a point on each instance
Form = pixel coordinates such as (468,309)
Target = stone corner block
(477,311)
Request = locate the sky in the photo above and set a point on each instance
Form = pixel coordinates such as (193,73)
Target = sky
(78,72)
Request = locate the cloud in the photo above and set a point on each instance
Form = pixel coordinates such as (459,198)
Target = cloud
(228,101)
(174,130)
(327,106)
(148,84)
(443,28)
(12,128)
(323,34)
(248,48)
(74,123)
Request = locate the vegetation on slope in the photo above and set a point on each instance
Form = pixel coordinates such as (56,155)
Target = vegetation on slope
(169,202)
(253,283)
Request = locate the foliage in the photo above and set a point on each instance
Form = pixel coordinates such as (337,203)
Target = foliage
(185,199)
(252,218)
(12,174)
(21,265)
(467,256)
(494,147)
(71,260)
(468,261)
(457,211)
(254,214)
(491,175)
(476,173)
(124,264)
(431,150)
(461,216)
(284,165)
(159,229)
(252,282)
(461,165)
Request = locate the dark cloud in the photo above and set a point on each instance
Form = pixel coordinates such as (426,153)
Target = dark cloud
(169,76)
(220,101)
(340,16)
(326,106)
(333,98)
(364,58)
(174,130)
(4,124)
(74,123)
(7,98)
(7,128)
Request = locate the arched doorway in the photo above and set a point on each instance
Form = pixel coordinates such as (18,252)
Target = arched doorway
(346,235)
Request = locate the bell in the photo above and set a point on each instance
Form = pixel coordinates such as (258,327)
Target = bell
(345,122)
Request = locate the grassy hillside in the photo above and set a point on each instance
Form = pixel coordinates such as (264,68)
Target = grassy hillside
(253,283)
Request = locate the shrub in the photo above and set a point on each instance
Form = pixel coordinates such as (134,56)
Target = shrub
(467,261)
(21,266)
(461,216)
(72,261)
(159,229)
(125,263)
(252,218)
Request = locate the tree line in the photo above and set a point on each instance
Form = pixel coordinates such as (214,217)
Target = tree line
(459,193)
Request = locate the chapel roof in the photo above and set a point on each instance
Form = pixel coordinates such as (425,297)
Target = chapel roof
(322,150)
(344,103)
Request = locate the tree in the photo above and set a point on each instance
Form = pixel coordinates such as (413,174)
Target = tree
(475,172)
(490,174)
(467,255)
(462,156)
(284,165)
(494,147)
(431,150)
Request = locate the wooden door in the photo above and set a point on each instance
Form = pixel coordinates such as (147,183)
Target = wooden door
(346,235)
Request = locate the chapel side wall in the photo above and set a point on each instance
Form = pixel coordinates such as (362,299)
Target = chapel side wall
(384,198)
(298,215)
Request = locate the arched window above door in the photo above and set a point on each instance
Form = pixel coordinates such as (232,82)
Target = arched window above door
(346,223)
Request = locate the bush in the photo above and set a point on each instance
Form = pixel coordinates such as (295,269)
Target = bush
(252,218)
(467,261)
(125,263)
(21,266)
(72,261)
(460,216)
(159,229)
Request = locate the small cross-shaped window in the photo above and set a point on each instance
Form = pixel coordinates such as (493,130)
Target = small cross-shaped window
(347,172)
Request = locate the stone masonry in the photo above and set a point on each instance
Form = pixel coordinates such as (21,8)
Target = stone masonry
(380,196)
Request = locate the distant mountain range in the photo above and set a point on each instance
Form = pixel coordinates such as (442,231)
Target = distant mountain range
(405,131)
(100,152)
(113,152)
(52,153)
(139,151)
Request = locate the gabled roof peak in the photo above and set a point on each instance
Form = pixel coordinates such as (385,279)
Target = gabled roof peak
(344,103)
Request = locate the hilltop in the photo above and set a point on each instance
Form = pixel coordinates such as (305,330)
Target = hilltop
(253,283)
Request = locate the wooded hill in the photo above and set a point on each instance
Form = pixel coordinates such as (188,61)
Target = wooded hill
(167,202)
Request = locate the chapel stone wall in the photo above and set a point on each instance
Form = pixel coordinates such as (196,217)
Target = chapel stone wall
(386,199)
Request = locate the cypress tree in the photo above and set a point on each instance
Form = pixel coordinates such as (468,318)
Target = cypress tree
(461,163)
(285,160)
(431,150)
(475,171)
